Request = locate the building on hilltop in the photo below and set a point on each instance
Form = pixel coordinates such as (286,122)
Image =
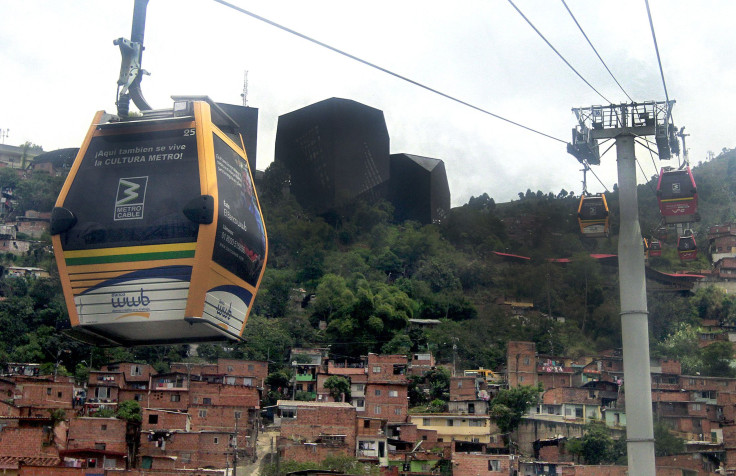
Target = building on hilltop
(419,189)
(336,150)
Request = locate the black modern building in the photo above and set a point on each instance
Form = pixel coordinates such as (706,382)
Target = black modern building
(247,119)
(336,151)
(419,188)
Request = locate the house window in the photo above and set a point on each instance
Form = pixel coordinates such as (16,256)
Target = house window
(459,384)
(103,427)
(393,393)
(477,423)
(250,367)
(136,370)
(203,413)
(426,422)
(397,411)
(288,412)
(100,446)
(48,391)
(216,440)
(176,397)
(526,360)
(378,393)
(494,465)
(238,415)
(359,387)
(101,392)
(206,401)
(137,397)
(185,457)
(366,423)
(591,393)
(229,368)
(696,407)
(153,419)
(521,378)
(376,369)
(450,422)
(377,410)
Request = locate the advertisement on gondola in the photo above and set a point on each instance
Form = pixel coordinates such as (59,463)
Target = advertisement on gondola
(240,243)
(131,188)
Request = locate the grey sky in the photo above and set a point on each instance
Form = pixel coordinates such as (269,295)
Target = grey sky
(60,66)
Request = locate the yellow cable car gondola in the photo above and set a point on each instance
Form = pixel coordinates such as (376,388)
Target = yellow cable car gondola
(158,233)
(593,215)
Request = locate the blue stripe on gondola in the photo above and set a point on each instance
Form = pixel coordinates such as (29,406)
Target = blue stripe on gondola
(180,273)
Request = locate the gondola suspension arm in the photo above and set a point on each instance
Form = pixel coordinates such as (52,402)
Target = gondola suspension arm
(131,73)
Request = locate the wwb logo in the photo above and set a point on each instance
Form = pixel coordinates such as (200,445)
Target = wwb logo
(130,198)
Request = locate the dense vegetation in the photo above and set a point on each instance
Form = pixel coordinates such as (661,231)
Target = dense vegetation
(364,276)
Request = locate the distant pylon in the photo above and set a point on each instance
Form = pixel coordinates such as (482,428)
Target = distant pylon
(244,94)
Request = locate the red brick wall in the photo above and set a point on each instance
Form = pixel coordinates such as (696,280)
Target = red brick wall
(163,399)
(219,394)
(290,451)
(370,426)
(50,471)
(462,388)
(521,363)
(477,464)
(381,368)
(166,420)
(311,421)
(584,470)
(693,461)
(393,408)
(553,379)
(671,367)
(45,394)
(194,369)
(245,368)
(25,442)
(220,418)
(85,432)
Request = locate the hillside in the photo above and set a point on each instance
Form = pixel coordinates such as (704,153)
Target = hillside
(353,282)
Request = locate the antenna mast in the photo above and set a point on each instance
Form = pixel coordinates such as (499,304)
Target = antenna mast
(244,94)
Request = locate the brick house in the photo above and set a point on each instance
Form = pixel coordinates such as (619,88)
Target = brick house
(99,442)
(312,430)
(477,464)
(521,363)
(35,396)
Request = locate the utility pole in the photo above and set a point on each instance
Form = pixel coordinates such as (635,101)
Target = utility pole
(3,134)
(235,448)
(624,123)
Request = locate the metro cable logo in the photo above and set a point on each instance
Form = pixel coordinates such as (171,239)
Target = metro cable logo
(130,198)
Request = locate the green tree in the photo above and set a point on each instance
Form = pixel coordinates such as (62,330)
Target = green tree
(511,404)
(717,358)
(130,411)
(665,442)
(339,387)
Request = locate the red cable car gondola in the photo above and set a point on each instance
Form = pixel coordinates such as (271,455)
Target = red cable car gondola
(686,246)
(655,247)
(593,215)
(677,195)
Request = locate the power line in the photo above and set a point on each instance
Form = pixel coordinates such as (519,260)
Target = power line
(659,60)
(596,51)
(555,50)
(384,70)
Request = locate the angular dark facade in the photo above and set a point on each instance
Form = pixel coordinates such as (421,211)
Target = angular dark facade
(419,188)
(336,150)
(247,119)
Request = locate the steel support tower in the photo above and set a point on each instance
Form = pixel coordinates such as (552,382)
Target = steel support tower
(624,123)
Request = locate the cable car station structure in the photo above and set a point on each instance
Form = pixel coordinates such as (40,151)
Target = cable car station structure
(624,123)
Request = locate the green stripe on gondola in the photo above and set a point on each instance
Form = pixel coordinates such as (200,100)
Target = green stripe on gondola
(130,257)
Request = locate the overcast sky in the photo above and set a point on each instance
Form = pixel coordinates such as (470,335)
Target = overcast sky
(59,66)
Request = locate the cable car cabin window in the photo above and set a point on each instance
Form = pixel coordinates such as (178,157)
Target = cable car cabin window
(240,244)
(676,184)
(131,188)
(593,208)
